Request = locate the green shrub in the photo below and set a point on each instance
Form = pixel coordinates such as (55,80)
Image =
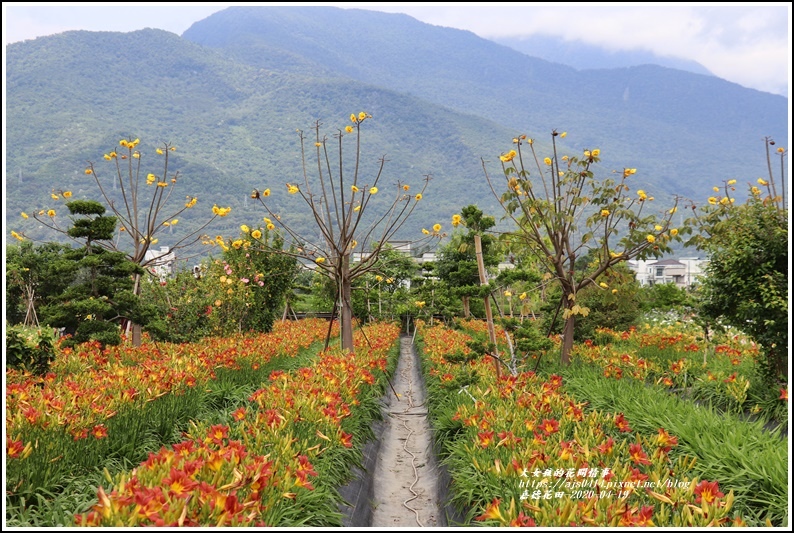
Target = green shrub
(30,349)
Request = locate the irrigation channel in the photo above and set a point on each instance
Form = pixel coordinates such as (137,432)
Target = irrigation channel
(406,480)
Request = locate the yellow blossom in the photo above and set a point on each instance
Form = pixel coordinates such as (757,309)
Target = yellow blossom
(54,196)
(762,181)
(292,189)
(357,208)
(354,188)
(547,160)
(724,201)
(378,278)
(320,260)
(515,140)
(353,118)
(150,179)
(373,190)
(614,291)
(17,236)
(244,228)
(673,210)
(51,213)
(650,238)
(712,200)
(67,194)
(89,171)
(389,280)
(456,220)
(166,223)
(657,227)
(159,151)
(222,279)
(362,116)
(218,303)
(731,182)
(190,203)
(781,150)
(603,285)
(605,212)
(162,184)
(271,226)
(266,192)
(256,234)
(175,222)
(642,194)
(124,143)
(508,294)
(318,144)
(674,232)
(349,129)
(107,157)
(715,189)
(419,304)
(237,243)
(437,227)
(563,134)
(587,153)
(406,187)
(24,215)
(173,148)
(596,152)
(418,197)
(522,296)
(425,231)
(755,190)
(136,155)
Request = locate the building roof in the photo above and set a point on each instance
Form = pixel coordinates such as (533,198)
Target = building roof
(667,262)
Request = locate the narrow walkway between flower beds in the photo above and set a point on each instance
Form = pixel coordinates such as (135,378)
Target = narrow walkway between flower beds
(406,478)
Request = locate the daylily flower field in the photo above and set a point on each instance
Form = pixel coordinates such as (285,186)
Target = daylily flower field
(548,449)
(263,430)
(277,458)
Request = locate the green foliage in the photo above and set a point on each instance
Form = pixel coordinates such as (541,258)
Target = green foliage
(746,284)
(243,291)
(29,349)
(383,293)
(665,297)
(32,278)
(456,264)
(100,283)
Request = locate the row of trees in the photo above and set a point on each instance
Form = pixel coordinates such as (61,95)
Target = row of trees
(572,232)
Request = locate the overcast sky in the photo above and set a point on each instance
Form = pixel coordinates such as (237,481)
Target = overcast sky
(749,44)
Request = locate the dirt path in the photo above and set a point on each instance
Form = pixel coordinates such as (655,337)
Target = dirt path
(406,479)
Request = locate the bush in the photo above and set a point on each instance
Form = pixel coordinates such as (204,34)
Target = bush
(29,349)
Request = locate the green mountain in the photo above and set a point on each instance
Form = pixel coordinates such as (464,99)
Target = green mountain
(231,92)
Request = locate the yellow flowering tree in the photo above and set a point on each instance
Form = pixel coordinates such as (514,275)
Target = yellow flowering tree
(746,282)
(339,198)
(143,204)
(562,211)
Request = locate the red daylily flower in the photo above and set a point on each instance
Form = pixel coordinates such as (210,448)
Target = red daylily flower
(708,491)
(637,455)
(622,424)
(550,426)
(492,512)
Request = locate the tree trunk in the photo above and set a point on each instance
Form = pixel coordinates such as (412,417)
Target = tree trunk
(488,314)
(466,312)
(567,338)
(136,328)
(346,312)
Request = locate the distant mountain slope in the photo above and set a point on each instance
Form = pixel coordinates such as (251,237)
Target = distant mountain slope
(668,122)
(71,97)
(582,56)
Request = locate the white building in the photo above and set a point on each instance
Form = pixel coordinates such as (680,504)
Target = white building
(160,262)
(683,272)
